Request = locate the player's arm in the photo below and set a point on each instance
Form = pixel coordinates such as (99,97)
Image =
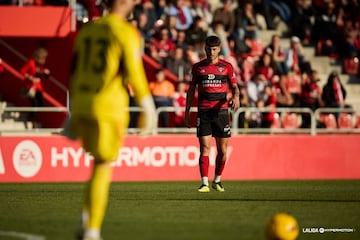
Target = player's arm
(135,75)
(190,97)
(189,100)
(235,101)
(235,97)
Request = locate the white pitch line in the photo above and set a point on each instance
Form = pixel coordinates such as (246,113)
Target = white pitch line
(25,236)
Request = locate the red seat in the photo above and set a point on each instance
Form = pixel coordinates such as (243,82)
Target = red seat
(346,120)
(276,123)
(351,65)
(329,120)
(291,120)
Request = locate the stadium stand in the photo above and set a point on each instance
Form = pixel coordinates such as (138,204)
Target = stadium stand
(313,53)
(329,120)
(346,120)
(291,120)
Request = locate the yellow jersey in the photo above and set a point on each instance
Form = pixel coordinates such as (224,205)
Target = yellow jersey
(107,58)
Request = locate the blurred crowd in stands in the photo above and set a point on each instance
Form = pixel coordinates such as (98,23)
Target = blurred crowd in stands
(269,74)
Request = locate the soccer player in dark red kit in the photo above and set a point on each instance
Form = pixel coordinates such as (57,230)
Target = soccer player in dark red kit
(212,77)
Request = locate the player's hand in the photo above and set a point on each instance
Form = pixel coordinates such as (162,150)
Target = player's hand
(235,103)
(147,121)
(187,120)
(146,124)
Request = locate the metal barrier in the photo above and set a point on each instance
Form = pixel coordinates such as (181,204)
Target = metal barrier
(173,129)
(235,119)
(337,129)
(31,130)
(236,130)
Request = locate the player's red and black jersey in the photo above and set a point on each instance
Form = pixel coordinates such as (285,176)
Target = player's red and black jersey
(213,81)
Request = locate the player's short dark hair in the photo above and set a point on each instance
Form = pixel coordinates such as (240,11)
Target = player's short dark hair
(212,41)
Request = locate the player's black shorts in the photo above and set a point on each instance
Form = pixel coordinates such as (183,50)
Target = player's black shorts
(213,122)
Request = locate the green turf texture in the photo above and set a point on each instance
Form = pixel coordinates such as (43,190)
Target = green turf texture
(176,211)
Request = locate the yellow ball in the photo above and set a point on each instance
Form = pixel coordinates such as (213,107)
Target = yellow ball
(282,226)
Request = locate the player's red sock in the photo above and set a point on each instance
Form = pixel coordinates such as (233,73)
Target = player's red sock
(204,165)
(219,167)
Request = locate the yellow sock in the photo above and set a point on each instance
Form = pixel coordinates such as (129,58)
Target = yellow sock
(97,193)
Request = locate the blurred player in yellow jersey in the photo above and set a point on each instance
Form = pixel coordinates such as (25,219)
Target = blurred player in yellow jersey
(107,58)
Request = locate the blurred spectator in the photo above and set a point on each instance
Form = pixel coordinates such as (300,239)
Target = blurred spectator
(310,97)
(170,25)
(295,58)
(160,6)
(268,100)
(327,23)
(278,55)
(334,93)
(349,9)
(145,30)
(219,30)
(265,66)
(301,21)
(311,92)
(162,91)
(247,69)
(249,23)
(281,9)
(263,7)
(225,15)
(146,18)
(196,34)
(320,5)
(181,40)
(244,98)
(90,6)
(177,64)
(350,46)
(255,88)
(200,10)
(244,102)
(161,45)
(182,14)
(147,7)
(283,96)
(180,104)
(34,73)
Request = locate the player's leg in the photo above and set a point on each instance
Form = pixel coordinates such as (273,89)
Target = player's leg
(221,144)
(222,133)
(204,137)
(103,141)
(96,199)
(204,162)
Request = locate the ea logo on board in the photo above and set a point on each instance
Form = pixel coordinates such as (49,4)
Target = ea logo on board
(27,158)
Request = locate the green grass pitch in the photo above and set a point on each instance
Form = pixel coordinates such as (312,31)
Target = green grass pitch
(175,211)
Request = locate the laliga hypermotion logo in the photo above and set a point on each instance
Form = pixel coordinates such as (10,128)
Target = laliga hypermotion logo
(27,158)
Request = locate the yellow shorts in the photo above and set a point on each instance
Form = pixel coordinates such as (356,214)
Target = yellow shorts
(102,138)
